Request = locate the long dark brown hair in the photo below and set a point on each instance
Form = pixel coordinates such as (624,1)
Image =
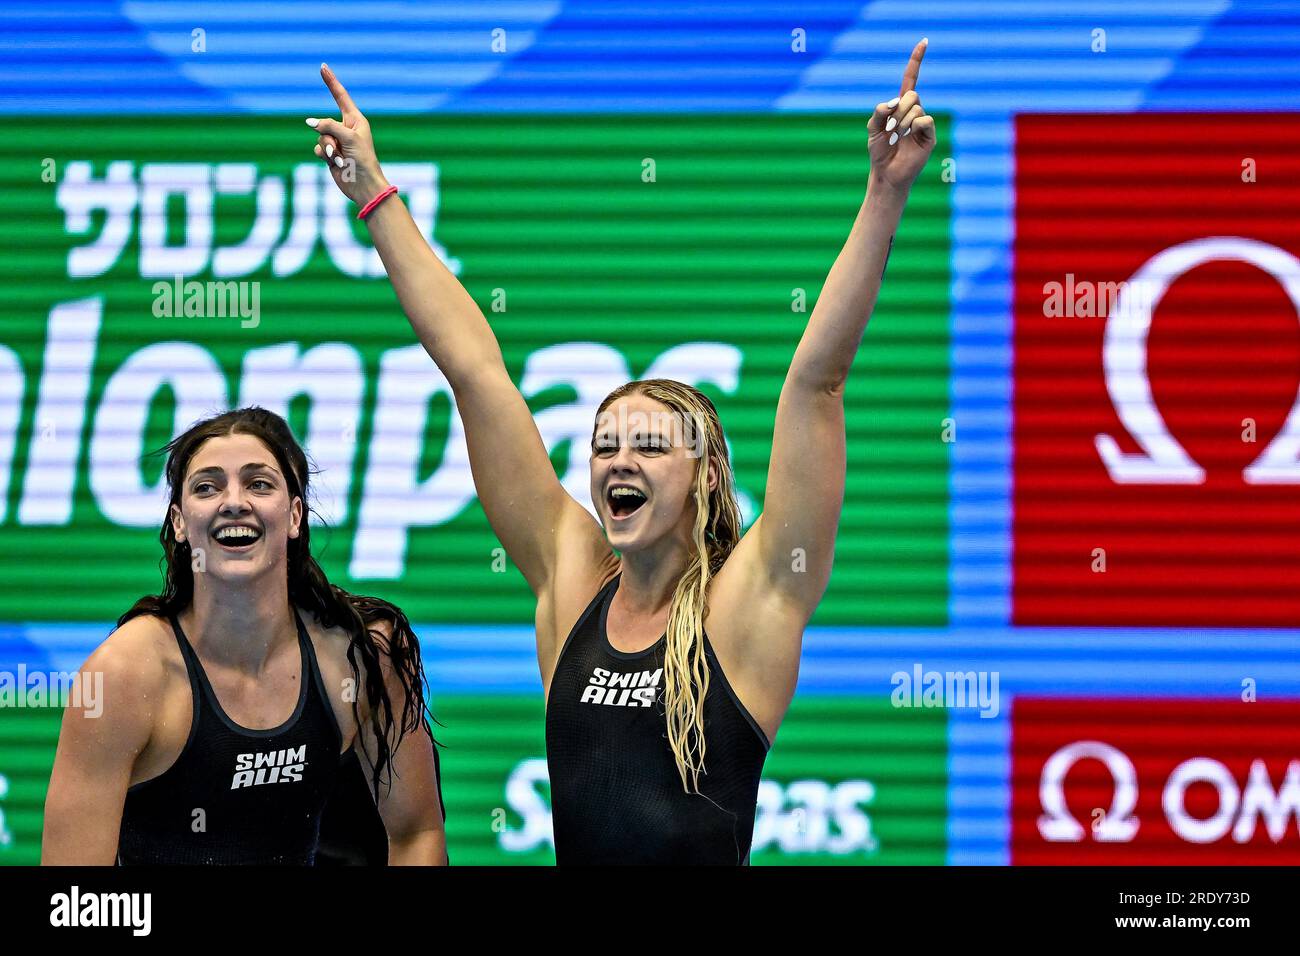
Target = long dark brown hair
(308,586)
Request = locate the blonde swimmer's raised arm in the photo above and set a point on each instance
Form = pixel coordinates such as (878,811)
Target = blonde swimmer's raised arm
(530,512)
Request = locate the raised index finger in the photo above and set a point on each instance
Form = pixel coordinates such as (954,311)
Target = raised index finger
(337,91)
(913,67)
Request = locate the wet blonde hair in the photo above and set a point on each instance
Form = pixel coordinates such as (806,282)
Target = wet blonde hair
(715,533)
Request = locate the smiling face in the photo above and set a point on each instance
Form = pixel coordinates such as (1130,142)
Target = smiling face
(235,506)
(643,467)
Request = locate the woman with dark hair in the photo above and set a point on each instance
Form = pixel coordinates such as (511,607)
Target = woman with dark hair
(231,697)
(668,641)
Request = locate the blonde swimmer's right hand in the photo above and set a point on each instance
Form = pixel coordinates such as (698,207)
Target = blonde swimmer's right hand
(346,146)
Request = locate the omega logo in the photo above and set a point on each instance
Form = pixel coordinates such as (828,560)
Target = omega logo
(1162,459)
(1239,808)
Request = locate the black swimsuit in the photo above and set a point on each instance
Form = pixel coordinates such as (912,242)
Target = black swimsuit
(616,794)
(236,795)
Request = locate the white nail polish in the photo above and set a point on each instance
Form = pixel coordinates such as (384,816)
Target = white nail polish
(908,131)
(312,121)
(893,138)
(329,150)
(893,121)
(338,161)
(894,102)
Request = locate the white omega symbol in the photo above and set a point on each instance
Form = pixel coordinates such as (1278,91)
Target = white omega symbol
(1162,459)
(1118,825)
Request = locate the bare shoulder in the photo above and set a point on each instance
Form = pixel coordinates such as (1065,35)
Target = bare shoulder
(585,564)
(331,642)
(138,656)
(343,689)
(756,630)
(335,639)
(129,682)
(382,628)
(744,599)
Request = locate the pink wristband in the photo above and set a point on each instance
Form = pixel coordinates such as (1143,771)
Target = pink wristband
(369,207)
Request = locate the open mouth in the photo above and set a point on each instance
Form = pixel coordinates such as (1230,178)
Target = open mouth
(624,501)
(237,537)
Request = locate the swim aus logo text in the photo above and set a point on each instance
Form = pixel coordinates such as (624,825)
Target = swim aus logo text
(278,766)
(630,689)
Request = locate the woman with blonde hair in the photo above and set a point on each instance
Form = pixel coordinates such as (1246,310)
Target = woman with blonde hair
(668,641)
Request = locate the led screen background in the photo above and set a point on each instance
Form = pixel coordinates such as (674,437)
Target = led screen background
(138,149)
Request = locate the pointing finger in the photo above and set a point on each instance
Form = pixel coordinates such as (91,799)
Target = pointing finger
(337,91)
(913,67)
